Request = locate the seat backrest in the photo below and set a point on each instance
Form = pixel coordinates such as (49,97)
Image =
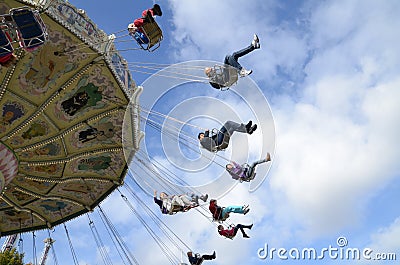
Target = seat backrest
(232,76)
(175,209)
(153,33)
(5,44)
(225,143)
(224,75)
(30,27)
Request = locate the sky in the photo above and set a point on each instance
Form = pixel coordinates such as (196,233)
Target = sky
(329,75)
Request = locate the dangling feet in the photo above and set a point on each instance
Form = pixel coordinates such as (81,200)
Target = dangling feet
(204,197)
(248,125)
(268,157)
(157,10)
(256,42)
(252,129)
(246,209)
(214,255)
(245,72)
(245,236)
(249,226)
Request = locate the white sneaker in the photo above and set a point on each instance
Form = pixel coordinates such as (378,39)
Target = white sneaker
(256,42)
(245,72)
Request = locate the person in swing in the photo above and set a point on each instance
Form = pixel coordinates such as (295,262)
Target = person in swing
(222,213)
(169,204)
(217,81)
(245,172)
(231,232)
(198,259)
(211,143)
(135,28)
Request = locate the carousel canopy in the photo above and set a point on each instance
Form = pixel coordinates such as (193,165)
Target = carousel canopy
(62,107)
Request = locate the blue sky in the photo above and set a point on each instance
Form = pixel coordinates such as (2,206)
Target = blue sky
(330,72)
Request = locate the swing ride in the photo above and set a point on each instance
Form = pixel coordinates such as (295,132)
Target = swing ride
(65,142)
(61,109)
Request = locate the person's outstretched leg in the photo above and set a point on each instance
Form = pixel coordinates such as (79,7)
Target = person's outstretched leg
(209,257)
(232,60)
(242,52)
(232,126)
(185,199)
(232,209)
(239,226)
(176,200)
(252,167)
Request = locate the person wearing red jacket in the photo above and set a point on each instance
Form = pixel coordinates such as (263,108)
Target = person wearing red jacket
(147,16)
(135,28)
(231,232)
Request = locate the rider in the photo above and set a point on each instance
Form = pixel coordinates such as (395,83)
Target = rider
(198,259)
(211,143)
(217,81)
(135,28)
(242,172)
(177,203)
(222,213)
(231,232)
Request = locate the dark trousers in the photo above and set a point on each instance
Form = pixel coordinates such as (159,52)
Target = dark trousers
(240,226)
(229,128)
(232,60)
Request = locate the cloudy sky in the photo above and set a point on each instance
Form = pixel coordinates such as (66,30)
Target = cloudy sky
(330,72)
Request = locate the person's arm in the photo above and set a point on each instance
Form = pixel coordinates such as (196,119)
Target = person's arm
(224,232)
(235,164)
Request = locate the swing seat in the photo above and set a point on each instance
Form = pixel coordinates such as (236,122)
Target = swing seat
(253,175)
(6,49)
(225,142)
(224,75)
(153,34)
(175,209)
(221,220)
(30,28)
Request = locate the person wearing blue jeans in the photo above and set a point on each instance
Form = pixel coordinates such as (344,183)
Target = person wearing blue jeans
(222,213)
(211,143)
(232,60)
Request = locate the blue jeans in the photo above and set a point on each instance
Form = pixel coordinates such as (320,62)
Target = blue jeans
(232,60)
(229,128)
(232,209)
(141,37)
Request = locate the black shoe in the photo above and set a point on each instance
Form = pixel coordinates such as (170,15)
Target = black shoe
(214,255)
(204,197)
(157,10)
(149,18)
(252,129)
(246,236)
(248,126)
(250,226)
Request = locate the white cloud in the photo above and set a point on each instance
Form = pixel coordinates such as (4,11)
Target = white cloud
(328,138)
(329,142)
